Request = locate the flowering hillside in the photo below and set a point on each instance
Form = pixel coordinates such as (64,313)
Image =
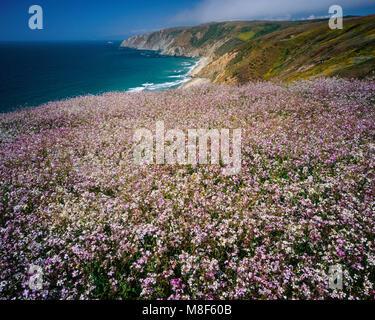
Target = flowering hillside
(73,201)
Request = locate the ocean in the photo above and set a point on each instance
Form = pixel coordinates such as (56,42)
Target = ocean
(36,73)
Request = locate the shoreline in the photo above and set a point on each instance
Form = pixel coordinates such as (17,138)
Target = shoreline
(190,78)
(195,80)
(187,80)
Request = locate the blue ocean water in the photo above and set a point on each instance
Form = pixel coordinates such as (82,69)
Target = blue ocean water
(35,73)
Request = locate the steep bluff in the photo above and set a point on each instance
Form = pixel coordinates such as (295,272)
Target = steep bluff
(196,41)
(244,51)
(164,42)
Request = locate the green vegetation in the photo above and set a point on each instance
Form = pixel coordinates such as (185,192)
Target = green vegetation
(228,46)
(303,51)
(246,35)
(216,31)
(278,51)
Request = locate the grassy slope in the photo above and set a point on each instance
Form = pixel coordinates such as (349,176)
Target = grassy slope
(287,53)
(223,36)
(282,50)
(274,50)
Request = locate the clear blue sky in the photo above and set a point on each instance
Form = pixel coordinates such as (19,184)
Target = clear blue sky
(118,19)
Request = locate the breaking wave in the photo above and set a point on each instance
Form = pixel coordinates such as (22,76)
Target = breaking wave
(182,78)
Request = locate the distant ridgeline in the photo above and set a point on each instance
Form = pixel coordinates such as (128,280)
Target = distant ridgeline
(271,50)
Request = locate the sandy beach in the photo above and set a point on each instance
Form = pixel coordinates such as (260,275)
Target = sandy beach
(195,82)
(203,62)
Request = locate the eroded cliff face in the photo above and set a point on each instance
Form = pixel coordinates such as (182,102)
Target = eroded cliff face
(174,42)
(204,41)
(216,70)
(238,52)
(160,41)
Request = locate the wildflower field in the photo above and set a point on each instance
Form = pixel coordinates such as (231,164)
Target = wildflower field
(73,201)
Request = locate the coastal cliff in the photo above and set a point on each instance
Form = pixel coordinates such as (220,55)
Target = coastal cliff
(199,41)
(238,52)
